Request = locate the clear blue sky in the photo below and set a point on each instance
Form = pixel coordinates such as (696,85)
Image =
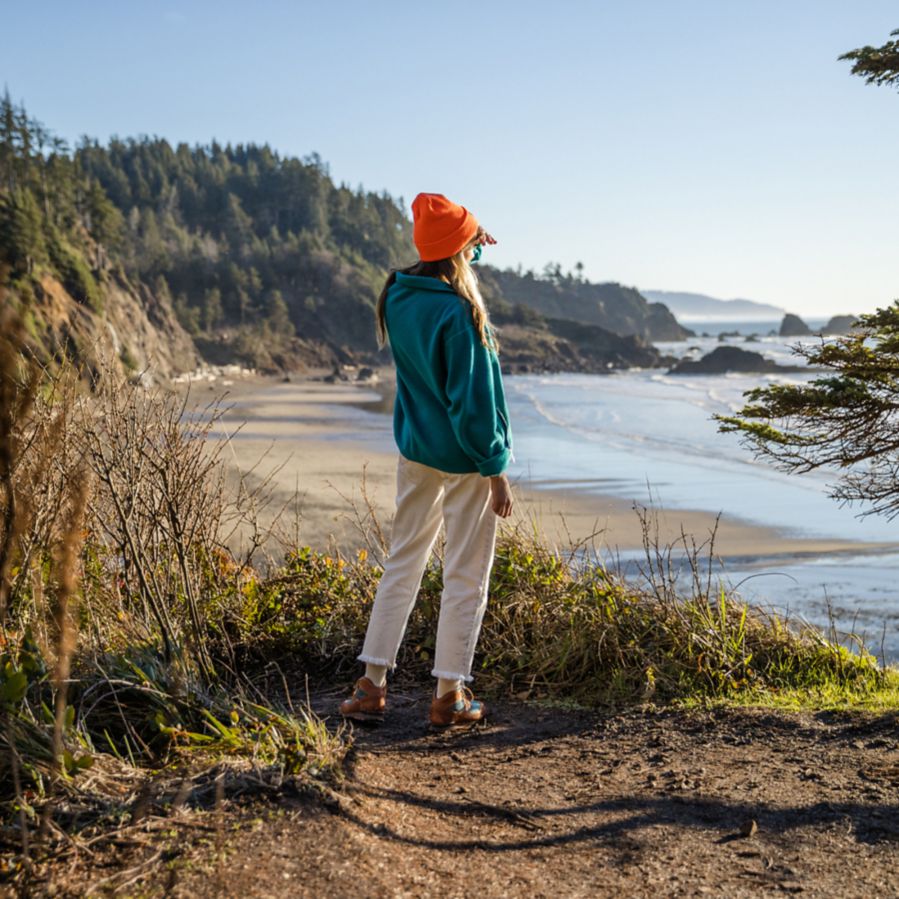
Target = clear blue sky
(698,145)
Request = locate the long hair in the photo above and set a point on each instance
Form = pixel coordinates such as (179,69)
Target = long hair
(456,271)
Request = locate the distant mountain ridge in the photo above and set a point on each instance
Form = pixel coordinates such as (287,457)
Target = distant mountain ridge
(700,306)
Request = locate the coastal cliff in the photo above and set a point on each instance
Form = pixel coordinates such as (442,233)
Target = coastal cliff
(138,329)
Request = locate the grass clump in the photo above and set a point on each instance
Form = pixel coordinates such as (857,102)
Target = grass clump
(146,709)
(881,696)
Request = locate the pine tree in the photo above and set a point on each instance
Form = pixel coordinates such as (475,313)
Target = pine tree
(42,138)
(212,309)
(877,65)
(7,142)
(25,141)
(846,420)
(105,222)
(277,315)
(21,233)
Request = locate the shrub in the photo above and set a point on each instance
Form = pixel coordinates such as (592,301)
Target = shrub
(315,606)
(75,274)
(578,631)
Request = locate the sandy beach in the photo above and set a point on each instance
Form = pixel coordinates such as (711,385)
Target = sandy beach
(301,440)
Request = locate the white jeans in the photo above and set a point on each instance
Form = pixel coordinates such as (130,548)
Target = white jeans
(426,498)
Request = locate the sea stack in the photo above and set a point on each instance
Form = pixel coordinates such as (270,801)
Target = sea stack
(839,324)
(729,358)
(794,326)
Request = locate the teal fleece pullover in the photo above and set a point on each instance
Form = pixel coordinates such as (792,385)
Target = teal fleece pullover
(450,411)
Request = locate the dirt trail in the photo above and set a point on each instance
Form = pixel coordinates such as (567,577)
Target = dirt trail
(543,802)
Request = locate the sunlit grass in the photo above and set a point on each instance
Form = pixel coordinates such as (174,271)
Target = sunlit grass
(828,697)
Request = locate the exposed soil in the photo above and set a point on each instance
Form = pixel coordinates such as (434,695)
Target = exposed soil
(549,802)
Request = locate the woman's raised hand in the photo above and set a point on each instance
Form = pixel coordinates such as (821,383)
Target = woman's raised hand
(483,237)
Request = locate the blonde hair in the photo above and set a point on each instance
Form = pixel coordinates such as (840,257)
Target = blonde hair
(455,271)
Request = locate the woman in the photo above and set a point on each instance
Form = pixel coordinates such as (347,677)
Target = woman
(451,425)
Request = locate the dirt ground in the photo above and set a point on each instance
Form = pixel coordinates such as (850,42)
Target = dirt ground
(543,801)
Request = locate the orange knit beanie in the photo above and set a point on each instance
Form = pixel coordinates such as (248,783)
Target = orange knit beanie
(440,228)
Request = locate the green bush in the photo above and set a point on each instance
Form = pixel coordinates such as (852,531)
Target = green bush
(553,629)
(75,274)
(315,606)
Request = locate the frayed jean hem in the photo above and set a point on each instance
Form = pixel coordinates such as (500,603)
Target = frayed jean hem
(449,675)
(371,660)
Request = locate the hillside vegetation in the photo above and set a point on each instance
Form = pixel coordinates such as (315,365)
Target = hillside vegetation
(173,255)
(621,310)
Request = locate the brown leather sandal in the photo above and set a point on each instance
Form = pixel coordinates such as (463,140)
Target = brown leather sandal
(456,707)
(367,702)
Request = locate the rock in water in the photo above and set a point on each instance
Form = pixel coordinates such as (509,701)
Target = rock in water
(729,358)
(794,326)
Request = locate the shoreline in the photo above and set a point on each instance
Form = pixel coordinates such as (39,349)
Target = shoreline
(303,436)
